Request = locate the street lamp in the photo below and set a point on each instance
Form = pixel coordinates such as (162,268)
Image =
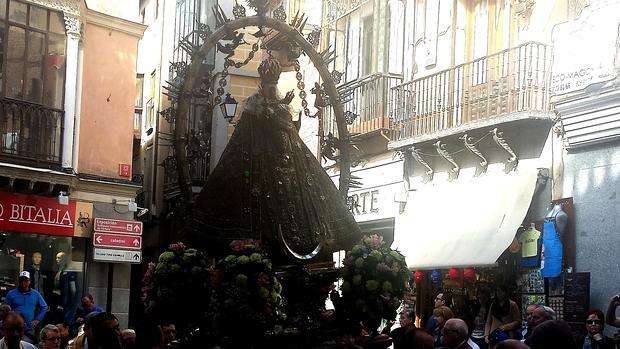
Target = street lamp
(229,107)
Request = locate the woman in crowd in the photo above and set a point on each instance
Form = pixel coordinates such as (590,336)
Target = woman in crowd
(595,323)
(441,314)
(504,316)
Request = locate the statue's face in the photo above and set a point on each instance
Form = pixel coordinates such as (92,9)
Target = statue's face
(269,90)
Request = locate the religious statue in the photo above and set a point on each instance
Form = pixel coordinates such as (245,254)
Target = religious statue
(269,186)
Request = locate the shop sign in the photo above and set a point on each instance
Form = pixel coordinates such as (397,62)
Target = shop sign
(43,215)
(105,225)
(575,67)
(117,240)
(364,202)
(116,256)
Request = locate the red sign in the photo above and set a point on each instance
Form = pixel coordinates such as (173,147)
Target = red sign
(124,170)
(105,225)
(36,214)
(117,240)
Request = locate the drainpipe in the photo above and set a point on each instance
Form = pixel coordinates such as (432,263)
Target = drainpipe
(72,26)
(78,110)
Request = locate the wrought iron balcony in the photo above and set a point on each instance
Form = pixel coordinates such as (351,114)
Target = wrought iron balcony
(511,81)
(31,134)
(366,104)
(335,9)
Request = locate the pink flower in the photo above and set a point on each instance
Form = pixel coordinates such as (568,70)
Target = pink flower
(263,280)
(179,246)
(237,245)
(374,240)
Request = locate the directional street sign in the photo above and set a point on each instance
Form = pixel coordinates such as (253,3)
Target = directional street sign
(105,225)
(117,240)
(116,256)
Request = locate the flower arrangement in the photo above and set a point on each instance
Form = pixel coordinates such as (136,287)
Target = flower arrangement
(247,293)
(374,280)
(177,282)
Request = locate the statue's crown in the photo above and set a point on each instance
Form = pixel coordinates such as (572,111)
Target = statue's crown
(269,70)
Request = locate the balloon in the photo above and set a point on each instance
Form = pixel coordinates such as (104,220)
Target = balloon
(436,277)
(469,274)
(454,274)
(418,275)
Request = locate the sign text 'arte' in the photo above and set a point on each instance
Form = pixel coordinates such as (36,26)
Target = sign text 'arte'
(364,202)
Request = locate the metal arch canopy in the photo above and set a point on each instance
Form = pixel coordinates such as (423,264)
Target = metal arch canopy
(193,76)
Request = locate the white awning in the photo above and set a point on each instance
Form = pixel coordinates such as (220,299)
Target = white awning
(464,223)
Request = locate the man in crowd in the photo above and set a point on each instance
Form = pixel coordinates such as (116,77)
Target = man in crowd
(88,306)
(170,332)
(539,315)
(106,332)
(49,337)
(27,302)
(4,309)
(552,334)
(440,301)
(128,337)
(527,330)
(101,331)
(406,323)
(13,330)
(455,335)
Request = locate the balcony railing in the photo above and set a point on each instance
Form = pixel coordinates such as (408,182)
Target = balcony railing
(513,80)
(30,133)
(338,8)
(368,100)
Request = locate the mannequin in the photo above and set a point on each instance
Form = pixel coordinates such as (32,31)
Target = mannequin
(39,278)
(66,281)
(555,224)
(559,217)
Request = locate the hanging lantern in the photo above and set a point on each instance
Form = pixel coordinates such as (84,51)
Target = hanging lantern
(455,274)
(469,274)
(418,276)
(436,278)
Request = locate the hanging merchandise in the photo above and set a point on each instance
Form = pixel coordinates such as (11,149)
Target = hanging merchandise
(531,246)
(552,251)
(469,274)
(436,278)
(455,274)
(418,276)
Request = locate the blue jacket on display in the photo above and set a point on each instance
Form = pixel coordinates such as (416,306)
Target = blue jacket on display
(27,303)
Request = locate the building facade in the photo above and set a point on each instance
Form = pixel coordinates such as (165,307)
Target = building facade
(68,76)
(470,120)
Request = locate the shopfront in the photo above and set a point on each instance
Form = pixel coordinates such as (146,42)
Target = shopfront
(47,236)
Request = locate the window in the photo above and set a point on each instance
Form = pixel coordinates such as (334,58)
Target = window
(60,263)
(367,45)
(32,53)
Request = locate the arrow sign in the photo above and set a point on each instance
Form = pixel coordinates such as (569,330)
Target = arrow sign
(116,256)
(117,240)
(105,225)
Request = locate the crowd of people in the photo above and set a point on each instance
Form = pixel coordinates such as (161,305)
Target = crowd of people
(496,324)
(24,325)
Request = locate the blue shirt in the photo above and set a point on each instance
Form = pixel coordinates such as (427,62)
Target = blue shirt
(26,303)
(81,312)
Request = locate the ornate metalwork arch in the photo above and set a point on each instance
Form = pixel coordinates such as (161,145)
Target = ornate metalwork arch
(193,79)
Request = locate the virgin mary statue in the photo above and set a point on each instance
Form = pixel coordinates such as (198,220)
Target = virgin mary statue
(269,186)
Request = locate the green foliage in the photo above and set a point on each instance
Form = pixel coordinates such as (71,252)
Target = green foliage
(246,295)
(374,280)
(178,283)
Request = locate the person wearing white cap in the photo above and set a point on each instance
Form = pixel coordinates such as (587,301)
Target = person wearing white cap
(27,301)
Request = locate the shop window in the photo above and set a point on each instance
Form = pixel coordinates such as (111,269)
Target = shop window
(61,265)
(33,68)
